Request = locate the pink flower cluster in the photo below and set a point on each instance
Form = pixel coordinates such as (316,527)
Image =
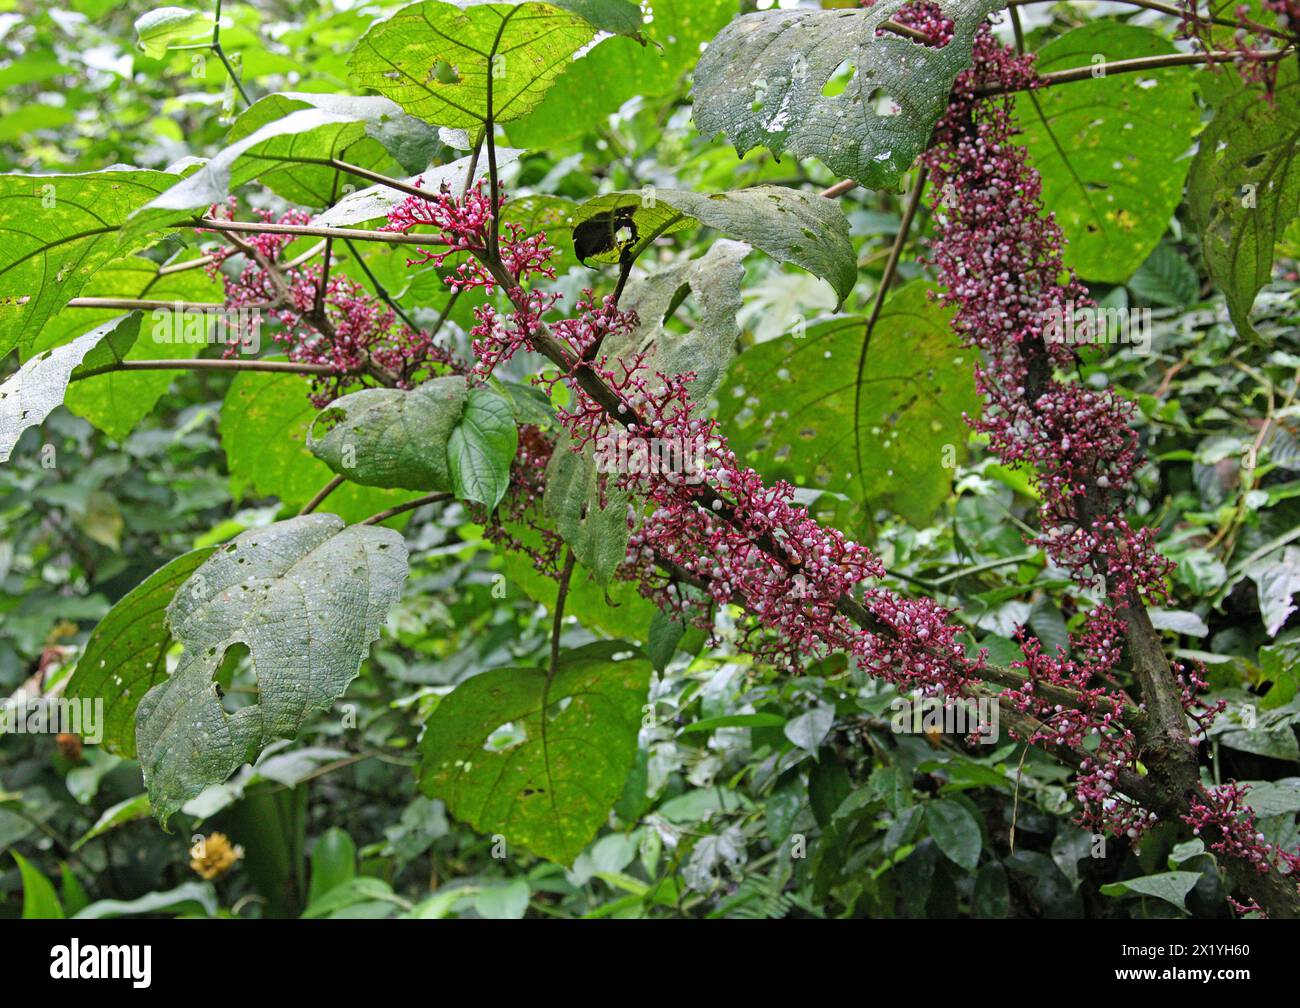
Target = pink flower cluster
(1252,41)
(342,326)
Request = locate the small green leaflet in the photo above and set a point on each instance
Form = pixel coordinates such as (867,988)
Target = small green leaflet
(163,27)
(482,447)
(552,790)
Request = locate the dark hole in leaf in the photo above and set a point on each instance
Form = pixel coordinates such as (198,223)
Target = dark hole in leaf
(600,234)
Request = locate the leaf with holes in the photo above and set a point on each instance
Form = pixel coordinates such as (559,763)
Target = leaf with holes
(391,437)
(458,64)
(37,388)
(307,597)
(481,447)
(881,423)
(551,785)
(789,225)
(713,281)
(1244,189)
(126,654)
(56,232)
(769,80)
(1112,151)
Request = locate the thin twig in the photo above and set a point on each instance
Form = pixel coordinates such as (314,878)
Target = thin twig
(313,231)
(566,572)
(419,502)
(210,364)
(324,492)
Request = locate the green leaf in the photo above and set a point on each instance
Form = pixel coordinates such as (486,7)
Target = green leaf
(37,388)
(1244,189)
(441,62)
(1166,278)
(164,27)
(955,831)
(333,863)
(588,510)
(661,642)
(40,902)
(552,791)
(189,899)
(482,447)
(411,142)
(1172,887)
(625,70)
(264,424)
(1111,150)
(276,151)
(307,597)
(126,655)
(879,424)
(710,342)
(392,437)
(126,811)
(615,609)
(116,402)
(789,225)
(56,231)
(763,81)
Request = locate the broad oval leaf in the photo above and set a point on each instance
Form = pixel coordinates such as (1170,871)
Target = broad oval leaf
(588,510)
(955,831)
(307,597)
(126,654)
(550,792)
(56,232)
(392,437)
(789,225)
(458,64)
(161,28)
(870,421)
(762,82)
(1112,151)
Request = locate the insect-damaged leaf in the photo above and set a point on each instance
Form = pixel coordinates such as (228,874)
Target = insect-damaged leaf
(763,83)
(307,597)
(551,784)
(588,510)
(789,225)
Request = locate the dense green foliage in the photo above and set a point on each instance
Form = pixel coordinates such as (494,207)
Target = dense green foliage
(384,707)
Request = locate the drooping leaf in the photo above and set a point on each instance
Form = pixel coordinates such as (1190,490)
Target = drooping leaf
(37,388)
(1112,150)
(161,28)
(56,231)
(482,447)
(662,638)
(589,511)
(550,792)
(126,654)
(873,423)
(1244,189)
(264,424)
(955,831)
(40,901)
(624,69)
(789,225)
(391,437)
(714,281)
(279,147)
(411,142)
(128,810)
(189,898)
(1172,887)
(1166,278)
(307,597)
(445,62)
(1276,582)
(763,83)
